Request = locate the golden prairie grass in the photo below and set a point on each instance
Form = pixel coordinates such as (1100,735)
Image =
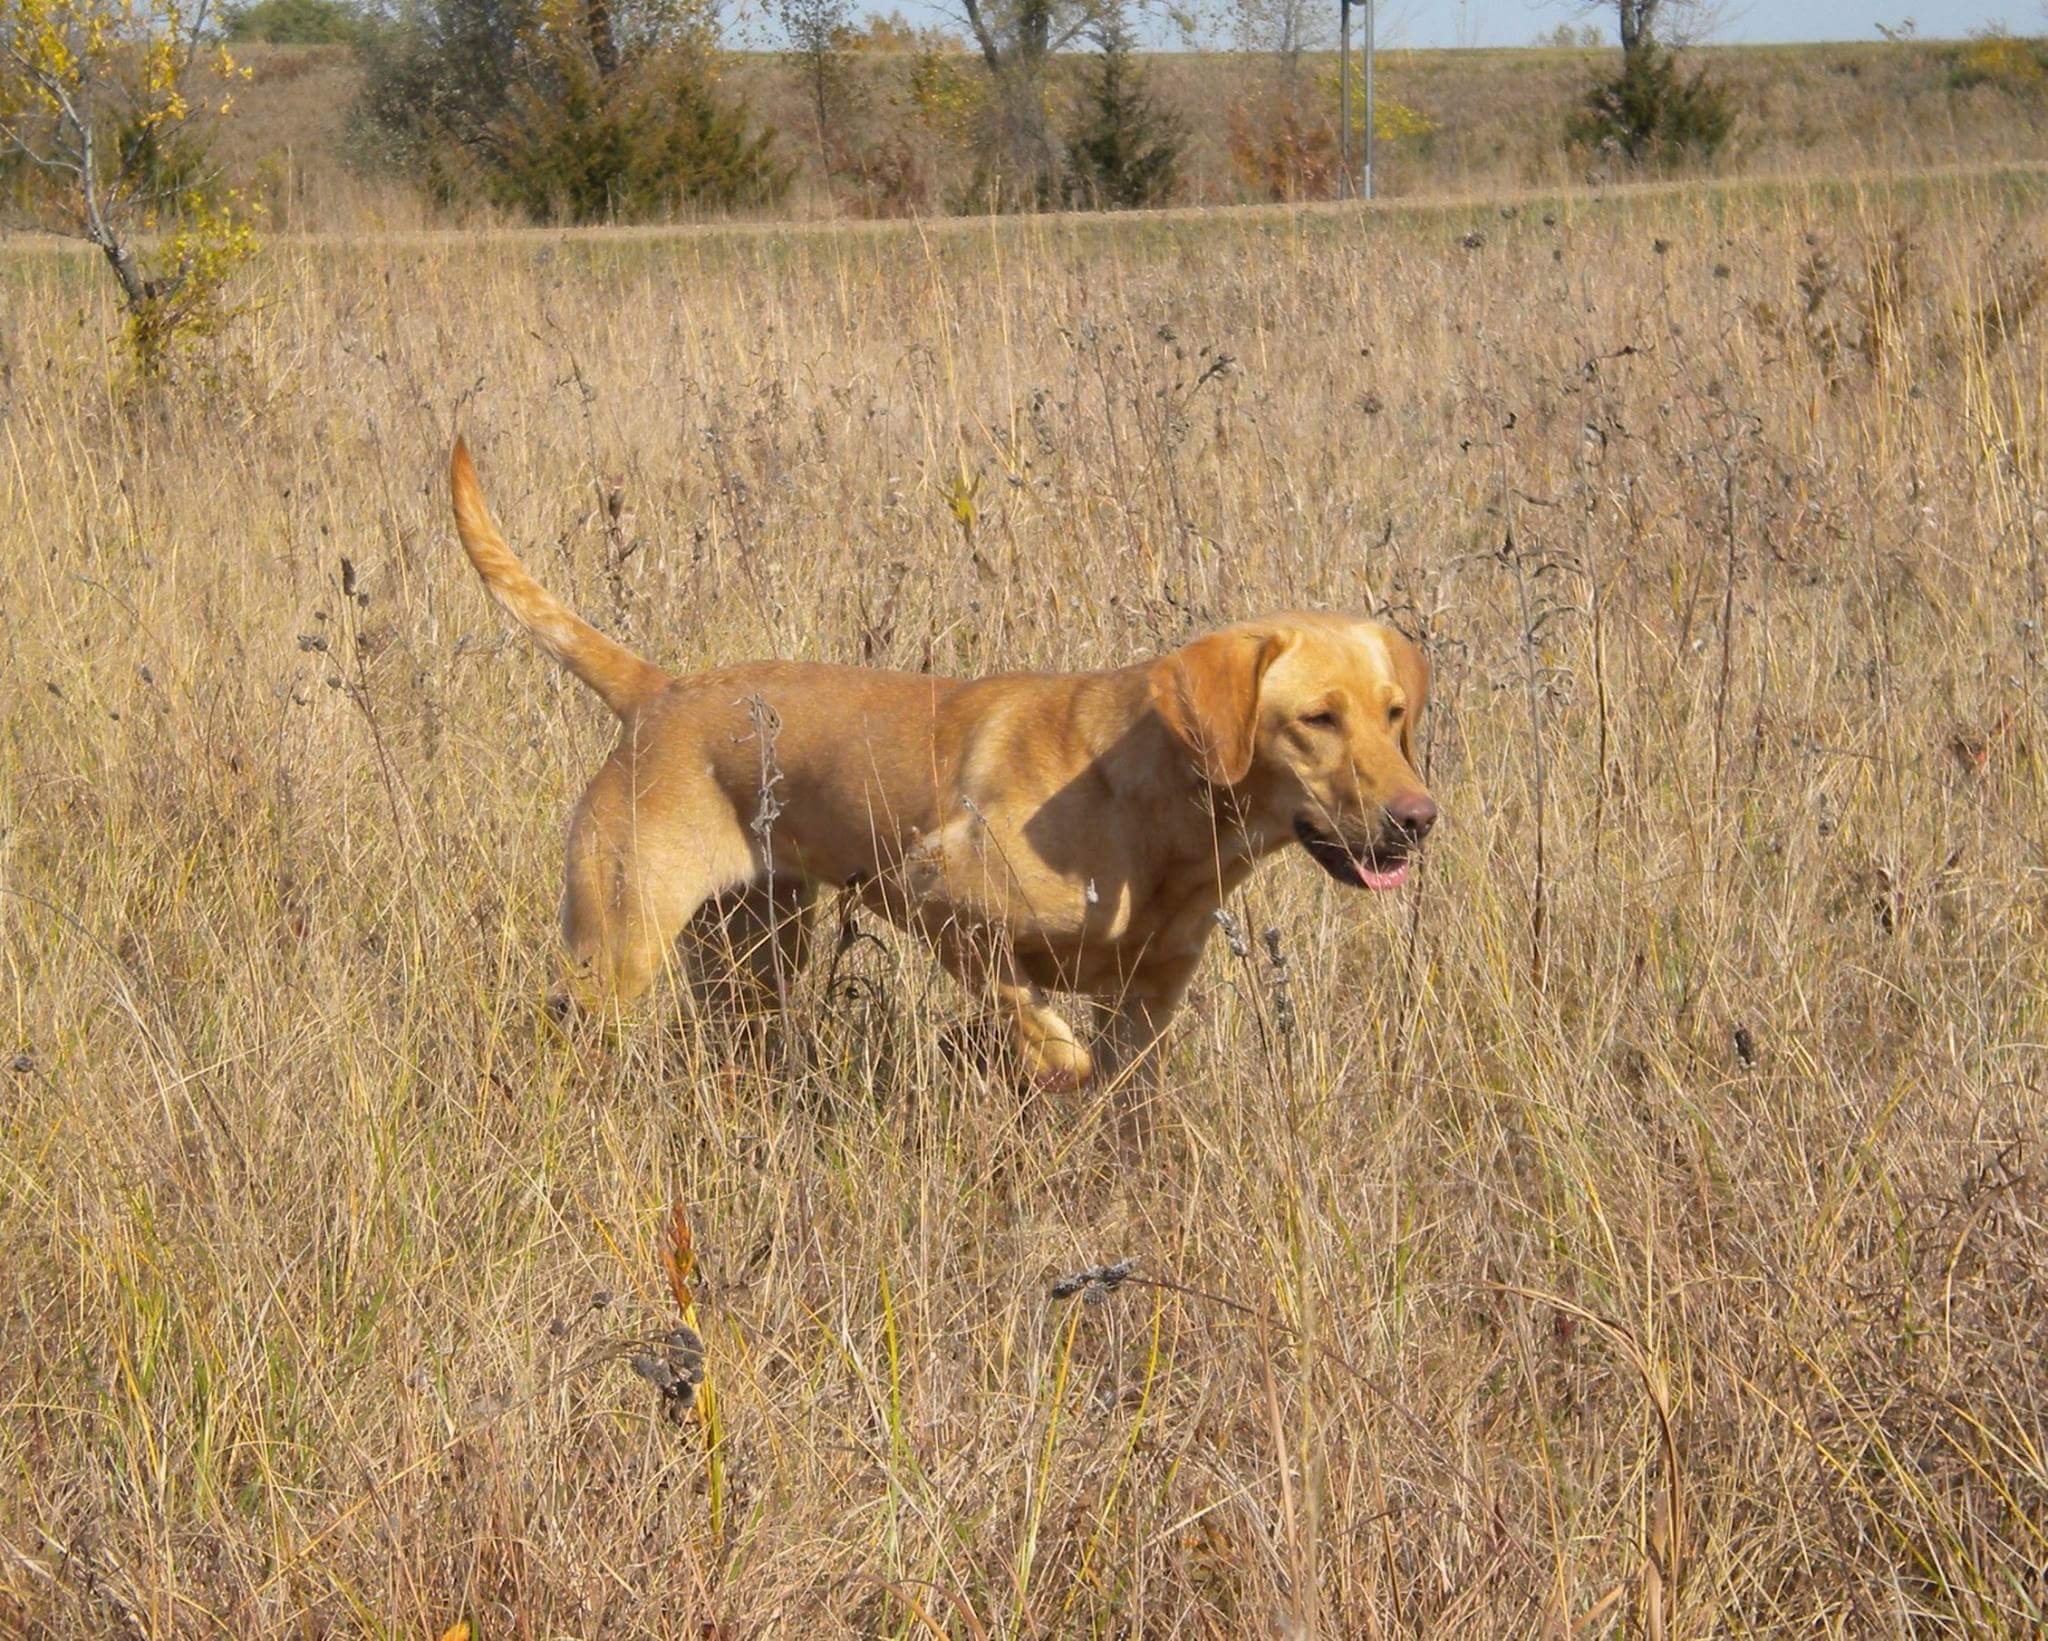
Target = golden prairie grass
(1636,1225)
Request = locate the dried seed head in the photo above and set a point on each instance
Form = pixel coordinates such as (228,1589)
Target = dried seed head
(654,1370)
(674,1366)
(1096,1279)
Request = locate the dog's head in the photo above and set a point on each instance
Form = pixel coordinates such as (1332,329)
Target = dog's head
(1310,722)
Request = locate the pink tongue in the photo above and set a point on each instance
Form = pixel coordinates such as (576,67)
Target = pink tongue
(1392,878)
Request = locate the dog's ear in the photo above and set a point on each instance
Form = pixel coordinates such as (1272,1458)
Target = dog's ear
(1411,672)
(1208,693)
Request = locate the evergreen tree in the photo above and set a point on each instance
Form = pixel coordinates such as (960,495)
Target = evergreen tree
(1653,111)
(577,110)
(1124,151)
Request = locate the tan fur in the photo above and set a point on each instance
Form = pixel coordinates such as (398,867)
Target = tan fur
(1044,832)
(619,676)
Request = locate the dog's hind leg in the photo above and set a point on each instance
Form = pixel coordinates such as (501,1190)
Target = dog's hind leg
(747,947)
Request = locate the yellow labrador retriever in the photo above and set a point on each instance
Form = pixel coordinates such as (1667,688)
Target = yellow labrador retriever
(1044,832)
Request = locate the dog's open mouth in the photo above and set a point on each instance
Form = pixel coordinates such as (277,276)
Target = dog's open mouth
(1376,869)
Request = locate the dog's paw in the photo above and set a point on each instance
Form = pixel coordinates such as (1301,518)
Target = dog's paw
(1057,1065)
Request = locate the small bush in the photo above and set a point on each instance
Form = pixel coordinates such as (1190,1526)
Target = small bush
(299,22)
(186,296)
(1392,121)
(945,94)
(560,112)
(1653,113)
(1281,151)
(888,178)
(575,146)
(1997,58)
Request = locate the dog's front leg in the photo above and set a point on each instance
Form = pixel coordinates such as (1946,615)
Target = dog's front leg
(980,959)
(1128,1055)
(957,891)
(1053,1056)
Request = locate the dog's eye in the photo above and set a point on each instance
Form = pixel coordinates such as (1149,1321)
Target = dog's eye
(1326,719)
(1396,713)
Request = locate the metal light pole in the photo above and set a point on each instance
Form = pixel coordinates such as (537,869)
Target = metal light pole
(1349,185)
(1369,45)
(1344,97)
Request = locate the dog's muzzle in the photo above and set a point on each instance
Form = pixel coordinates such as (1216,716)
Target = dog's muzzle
(1380,867)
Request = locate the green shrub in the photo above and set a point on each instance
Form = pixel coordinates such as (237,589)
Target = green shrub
(579,146)
(1997,58)
(1652,112)
(299,22)
(566,112)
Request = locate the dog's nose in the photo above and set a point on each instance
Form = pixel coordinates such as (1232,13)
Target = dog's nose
(1413,812)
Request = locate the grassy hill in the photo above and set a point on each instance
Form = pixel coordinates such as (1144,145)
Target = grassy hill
(1484,120)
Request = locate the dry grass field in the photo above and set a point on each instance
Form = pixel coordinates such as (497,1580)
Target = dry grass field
(1637,1225)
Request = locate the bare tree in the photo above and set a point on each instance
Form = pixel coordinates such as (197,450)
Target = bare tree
(1281,30)
(816,31)
(1638,22)
(1013,34)
(1648,24)
(1017,40)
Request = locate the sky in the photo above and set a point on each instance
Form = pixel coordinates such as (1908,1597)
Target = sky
(1517,22)
(1520,22)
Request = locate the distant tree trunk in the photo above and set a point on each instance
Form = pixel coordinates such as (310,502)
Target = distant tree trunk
(1638,24)
(821,104)
(816,31)
(604,43)
(1018,40)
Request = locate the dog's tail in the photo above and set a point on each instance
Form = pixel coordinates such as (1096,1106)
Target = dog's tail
(624,680)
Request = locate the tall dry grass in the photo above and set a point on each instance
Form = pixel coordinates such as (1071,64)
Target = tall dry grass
(1637,1224)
